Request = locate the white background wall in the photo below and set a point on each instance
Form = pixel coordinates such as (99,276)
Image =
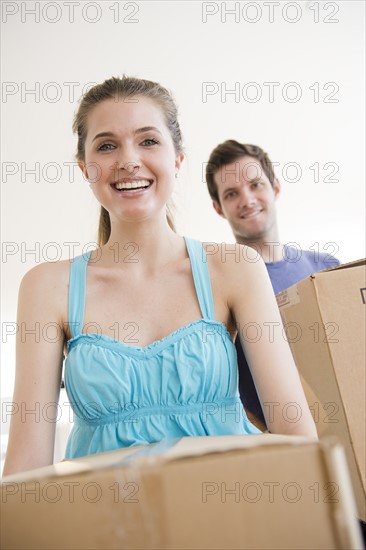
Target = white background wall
(189,47)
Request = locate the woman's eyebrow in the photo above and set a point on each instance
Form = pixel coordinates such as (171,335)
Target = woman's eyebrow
(103,134)
(138,131)
(147,129)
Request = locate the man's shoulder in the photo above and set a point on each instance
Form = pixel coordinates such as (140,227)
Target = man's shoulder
(297,264)
(295,254)
(320,260)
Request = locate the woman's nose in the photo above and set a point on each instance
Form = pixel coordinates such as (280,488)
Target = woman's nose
(128,162)
(132,167)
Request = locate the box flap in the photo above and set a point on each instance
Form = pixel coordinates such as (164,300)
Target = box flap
(355,263)
(197,446)
(162,452)
(74,466)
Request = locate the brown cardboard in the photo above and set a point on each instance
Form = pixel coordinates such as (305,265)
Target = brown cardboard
(325,317)
(260,491)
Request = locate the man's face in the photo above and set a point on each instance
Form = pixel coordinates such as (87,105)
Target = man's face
(247,199)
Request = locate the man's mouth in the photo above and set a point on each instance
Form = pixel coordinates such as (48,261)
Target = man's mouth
(132,185)
(250,214)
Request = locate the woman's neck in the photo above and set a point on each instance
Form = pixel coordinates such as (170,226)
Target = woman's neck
(143,246)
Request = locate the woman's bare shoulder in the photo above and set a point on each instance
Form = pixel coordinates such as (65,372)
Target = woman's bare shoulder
(48,275)
(233,259)
(46,286)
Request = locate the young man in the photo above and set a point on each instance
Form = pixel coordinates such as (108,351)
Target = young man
(244,190)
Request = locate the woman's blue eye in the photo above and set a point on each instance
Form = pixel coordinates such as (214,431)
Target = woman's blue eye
(105,147)
(150,141)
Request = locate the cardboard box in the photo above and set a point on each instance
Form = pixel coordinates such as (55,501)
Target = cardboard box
(260,491)
(324,316)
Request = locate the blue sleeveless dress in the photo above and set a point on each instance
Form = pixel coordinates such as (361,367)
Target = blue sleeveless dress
(183,385)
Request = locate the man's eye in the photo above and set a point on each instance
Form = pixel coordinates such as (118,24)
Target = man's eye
(230,195)
(106,147)
(150,141)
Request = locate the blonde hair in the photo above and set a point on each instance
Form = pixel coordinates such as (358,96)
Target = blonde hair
(122,88)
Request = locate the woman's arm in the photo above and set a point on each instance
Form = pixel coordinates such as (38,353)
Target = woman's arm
(39,354)
(254,307)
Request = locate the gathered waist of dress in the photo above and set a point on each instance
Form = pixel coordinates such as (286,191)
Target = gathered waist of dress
(132,413)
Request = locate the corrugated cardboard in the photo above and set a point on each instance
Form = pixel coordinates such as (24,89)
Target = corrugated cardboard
(260,491)
(325,317)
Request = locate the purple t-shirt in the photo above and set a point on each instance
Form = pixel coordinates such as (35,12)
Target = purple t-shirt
(296,265)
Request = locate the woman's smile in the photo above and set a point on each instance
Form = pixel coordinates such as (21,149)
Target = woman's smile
(132,187)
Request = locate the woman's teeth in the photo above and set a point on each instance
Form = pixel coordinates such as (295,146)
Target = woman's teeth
(132,184)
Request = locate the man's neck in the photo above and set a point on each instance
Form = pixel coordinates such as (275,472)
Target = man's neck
(271,251)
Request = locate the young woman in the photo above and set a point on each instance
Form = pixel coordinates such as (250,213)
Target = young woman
(148,318)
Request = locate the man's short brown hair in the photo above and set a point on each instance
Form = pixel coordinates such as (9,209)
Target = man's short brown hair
(228,152)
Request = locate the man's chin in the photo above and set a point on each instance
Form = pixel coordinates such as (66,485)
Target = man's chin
(248,237)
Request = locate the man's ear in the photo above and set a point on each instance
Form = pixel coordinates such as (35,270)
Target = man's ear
(276,187)
(218,209)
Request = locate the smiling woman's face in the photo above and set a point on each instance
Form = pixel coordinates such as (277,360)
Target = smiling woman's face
(130,159)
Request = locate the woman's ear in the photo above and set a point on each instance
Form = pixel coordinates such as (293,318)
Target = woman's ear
(83,169)
(178,161)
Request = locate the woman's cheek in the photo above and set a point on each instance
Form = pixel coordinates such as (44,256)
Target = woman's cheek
(94,171)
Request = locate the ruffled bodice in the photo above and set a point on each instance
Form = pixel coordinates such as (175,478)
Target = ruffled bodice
(122,395)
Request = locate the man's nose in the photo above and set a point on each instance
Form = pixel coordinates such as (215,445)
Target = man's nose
(246,198)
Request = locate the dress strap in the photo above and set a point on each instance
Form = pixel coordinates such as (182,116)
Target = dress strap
(77,288)
(201,277)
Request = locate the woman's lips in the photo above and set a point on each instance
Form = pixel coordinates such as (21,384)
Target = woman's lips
(132,186)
